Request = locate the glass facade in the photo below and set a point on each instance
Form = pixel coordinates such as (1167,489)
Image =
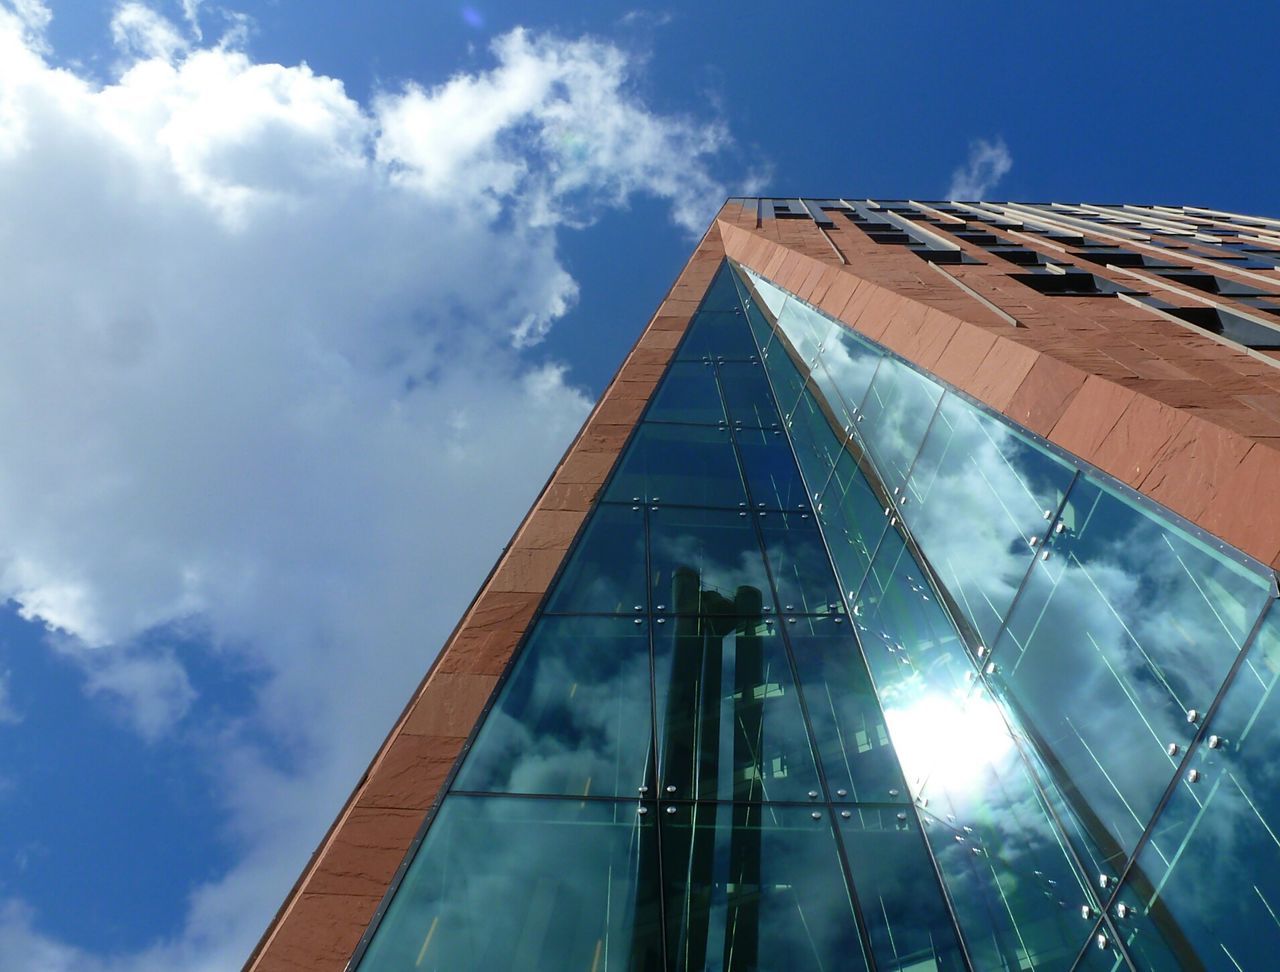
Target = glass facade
(844,672)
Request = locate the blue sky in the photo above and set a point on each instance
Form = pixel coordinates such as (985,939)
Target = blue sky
(288,350)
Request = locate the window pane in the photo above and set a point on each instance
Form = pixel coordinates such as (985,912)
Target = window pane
(1127,626)
(688,393)
(845,715)
(515,883)
(818,442)
(799,563)
(605,574)
(978,495)
(853,520)
(729,720)
(894,418)
(706,561)
(786,377)
(718,335)
(897,889)
(574,716)
(755,887)
(679,464)
(805,329)
(1207,886)
(850,362)
(773,480)
(747,394)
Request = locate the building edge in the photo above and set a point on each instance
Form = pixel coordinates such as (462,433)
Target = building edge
(323,917)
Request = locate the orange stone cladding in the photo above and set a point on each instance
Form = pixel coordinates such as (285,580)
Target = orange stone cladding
(1183,419)
(327,911)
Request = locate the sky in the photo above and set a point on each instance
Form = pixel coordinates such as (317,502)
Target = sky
(301,302)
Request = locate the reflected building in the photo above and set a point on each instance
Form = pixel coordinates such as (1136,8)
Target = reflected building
(906,604)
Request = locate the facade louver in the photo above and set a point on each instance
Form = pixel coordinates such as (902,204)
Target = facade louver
(906,604)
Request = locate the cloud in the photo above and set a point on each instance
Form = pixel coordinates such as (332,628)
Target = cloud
(270,373)
(988,163)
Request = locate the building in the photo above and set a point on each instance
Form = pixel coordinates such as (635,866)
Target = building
(906,603)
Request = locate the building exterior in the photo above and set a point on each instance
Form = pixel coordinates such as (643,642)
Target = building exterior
(906,603)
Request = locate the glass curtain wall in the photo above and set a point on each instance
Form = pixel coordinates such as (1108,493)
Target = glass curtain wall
(845,672)
(1068,675)
(686,766)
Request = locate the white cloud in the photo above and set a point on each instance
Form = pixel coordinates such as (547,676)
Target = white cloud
(988,163)
(266,373)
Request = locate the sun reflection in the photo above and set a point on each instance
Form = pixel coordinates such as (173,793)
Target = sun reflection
(948,742)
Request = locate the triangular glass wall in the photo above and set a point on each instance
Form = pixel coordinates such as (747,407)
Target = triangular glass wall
(831,680)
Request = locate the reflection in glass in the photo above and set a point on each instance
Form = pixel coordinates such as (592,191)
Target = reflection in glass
(706,561)
(897,889)
(785,375)
(679,464)
(979,493)
(752,887)
(798,560)
(716,335)
(688,393)
(574,715)
(773,480)
(849,363)
(605,574)
(518,883)
(853,742)
(819,442)
(1206,888)
(853,519)
(1128,625)
(747,395)
(895,416)
(729,720)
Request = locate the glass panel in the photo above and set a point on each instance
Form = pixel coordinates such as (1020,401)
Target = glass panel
(1098,959)
(772,477)
(1206,887)
(897,889)
(760,326)
(729,719)
(515,883)
(722,295)
(853,520)
(718,335)
(774,297)
(755,887)
(1016,890)
(850,362)
(824,389)
(844,713)
(911,646)
(747,394)
(805,329)
(895,416)
(573,718)
(679,464)
(798,560)
(978,495)
(688,393)
(786,377)
(818,443)
(1125,627)
(706,561)
(605,574)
